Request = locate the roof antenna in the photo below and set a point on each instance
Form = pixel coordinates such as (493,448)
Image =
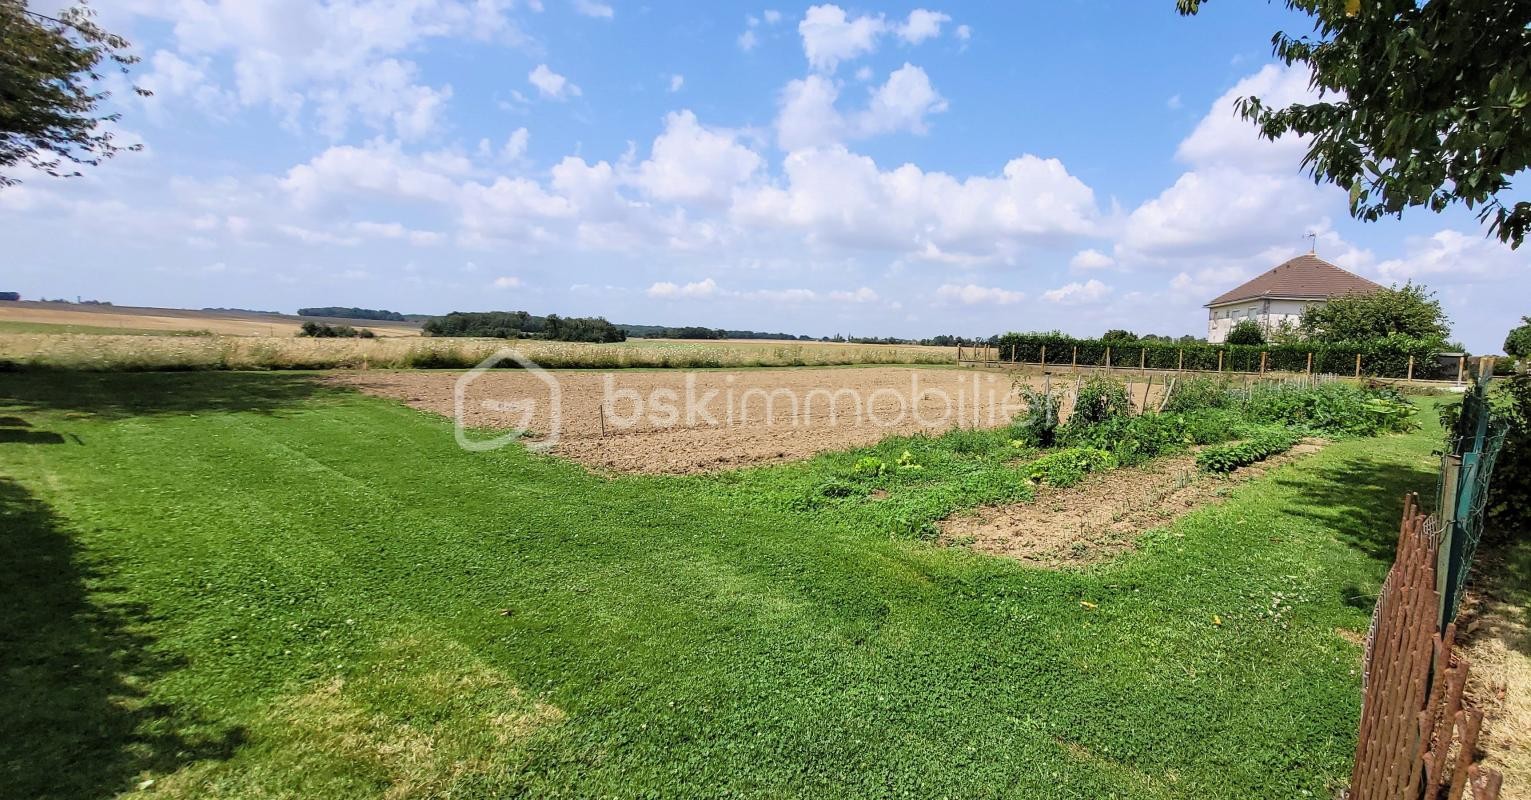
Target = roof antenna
(1312,241)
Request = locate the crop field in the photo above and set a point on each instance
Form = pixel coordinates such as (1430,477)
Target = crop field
(52,350)
(44,317)
(227,584)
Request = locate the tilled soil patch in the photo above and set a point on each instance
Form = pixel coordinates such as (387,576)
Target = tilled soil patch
(1104,514)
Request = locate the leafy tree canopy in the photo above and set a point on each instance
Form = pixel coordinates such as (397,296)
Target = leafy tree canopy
(1118,336)
(1420,104)
(50,68)
(1410,311)
(1518,343)
(1246,332)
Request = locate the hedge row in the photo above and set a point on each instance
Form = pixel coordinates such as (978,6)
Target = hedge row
(1384,358)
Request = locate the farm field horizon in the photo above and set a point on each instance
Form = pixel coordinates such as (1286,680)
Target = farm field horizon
(270,584)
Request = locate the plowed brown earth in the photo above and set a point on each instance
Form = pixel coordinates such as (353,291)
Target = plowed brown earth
(752,416)
(1103,515)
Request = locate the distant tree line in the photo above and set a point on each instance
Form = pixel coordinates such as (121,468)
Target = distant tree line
(519,324)
(321,330)
(699,332)
(340,312)
(244,311)
(10,296)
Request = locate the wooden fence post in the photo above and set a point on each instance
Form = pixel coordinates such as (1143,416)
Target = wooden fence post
(1219,361)
(1044,355)
(1180,362)
(1143,362)
(1310,363)
(1411,369)
(1075,362)
(1461,367)
(959,352)
(1263,354)
(1358,365)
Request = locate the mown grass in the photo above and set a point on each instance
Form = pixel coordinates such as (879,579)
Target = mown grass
(237,585)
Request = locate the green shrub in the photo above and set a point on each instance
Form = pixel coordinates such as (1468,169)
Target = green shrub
(1195,393)
(1067,467)
(1098,400)
(1131,440)
(1225,458)
(1038,424)
(1212,425)
(1333,409)
(869,466)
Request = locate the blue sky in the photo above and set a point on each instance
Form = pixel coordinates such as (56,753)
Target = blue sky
(872,170)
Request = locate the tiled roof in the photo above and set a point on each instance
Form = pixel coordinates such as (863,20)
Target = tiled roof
(1304,277)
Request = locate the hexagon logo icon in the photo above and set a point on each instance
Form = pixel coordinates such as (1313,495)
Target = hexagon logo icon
(526,407)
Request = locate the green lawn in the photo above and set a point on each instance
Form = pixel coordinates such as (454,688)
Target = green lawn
(245,585)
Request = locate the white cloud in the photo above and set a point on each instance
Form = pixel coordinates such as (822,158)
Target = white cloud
(747,41)
(830,37)
(667,290)
(1077,293)
(964,32)
(921,25)
(552,85)
(808,117)
(591,8)
(1223,138)
(507,282)
(772,16)
(690,163)
(838,197)
(901,103)
(676,82)
(1452,257)
(1091,259)
(1174,103)
(972,295)
(515,145)
(865,294)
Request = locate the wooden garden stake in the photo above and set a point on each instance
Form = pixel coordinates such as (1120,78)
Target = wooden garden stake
(1411,368)
(1044,355)
(1461,367)
(1358,365)
(1075,362)
(1180,362)
(1108,356)
(1142,359)
(1263,354)
(1219,361)
(1310,363)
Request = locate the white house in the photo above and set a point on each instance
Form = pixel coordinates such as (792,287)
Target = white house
(1281,294)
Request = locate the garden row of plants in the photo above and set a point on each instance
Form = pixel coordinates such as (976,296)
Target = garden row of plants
(1384,358)
(905,485)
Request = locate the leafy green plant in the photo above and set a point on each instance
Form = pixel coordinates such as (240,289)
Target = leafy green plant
(1194,393)
(1069,466)
(1098,400)
(1038,424)
(869,466)
(1225,458)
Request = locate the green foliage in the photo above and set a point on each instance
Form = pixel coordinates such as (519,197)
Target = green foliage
(1420,104)
(1117,336)
(1212,425)
(1330,409)
(49,75)
(1246,332)
(1509,500)
(1099,399)
(1518,343)
(1411,312)
(1387,357)
(1067,467)
(1225,458)
(1038,424)
(870,466)
(1130,439)
(1192,393)
(323,330)
(515,324)
(344,312)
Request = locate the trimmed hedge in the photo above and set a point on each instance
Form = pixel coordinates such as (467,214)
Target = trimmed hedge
(1382,358)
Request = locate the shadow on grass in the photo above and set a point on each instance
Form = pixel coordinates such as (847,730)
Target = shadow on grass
(120,395)
(1361,500)
(75,671)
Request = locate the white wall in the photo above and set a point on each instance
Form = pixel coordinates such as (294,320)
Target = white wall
(1269,313)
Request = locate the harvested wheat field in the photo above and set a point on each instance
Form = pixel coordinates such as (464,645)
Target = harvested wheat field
(1104,514)
(694,421)
(180,320)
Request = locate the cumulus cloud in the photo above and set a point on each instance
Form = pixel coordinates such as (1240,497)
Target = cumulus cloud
(747,41)
(690,163)
(515,145)
(922,24)
(839,197)
(901,103)
(830,36)
(1450,257)
(808,116)
(676,82)
(972,295)
(667,290)
(864,294)
(507,282)
(552,85)
(1077,293)
(1091,259)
